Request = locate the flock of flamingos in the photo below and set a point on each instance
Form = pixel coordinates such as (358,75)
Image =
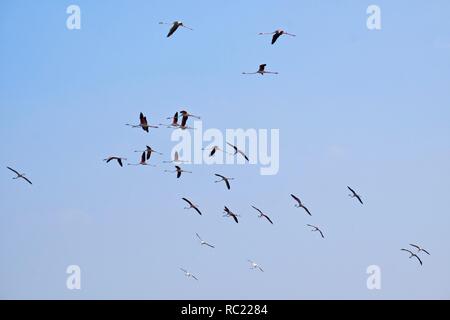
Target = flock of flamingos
(146,154)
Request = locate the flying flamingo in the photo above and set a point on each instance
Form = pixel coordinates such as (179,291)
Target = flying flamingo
(185,116)
(20,175)
(118,159)
(223,178)
(214,149)
(276,34)
(142,163)
(149,151)
(188,274)
(316,229)
(229,213)
(300,204)
(174,123)
(419,249)
(175,26)
(236,151)
(142,123)
(412,255)
(261,70)
(202,242)
(192,206)
(254,265)
(354,195)
(178,170)
(184,113)
(262,215)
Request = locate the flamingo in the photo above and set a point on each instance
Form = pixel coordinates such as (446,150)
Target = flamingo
(149,151)
(118,159)
(178,170)
(262,215)
(231,214)
(419,249)
(175,26)
(214,149)
(300,204)
(188,274)
(261,70)
(176,159)
(412,255)
(276,34)
(191,205)
(316,229)
(185,116)
(142,163)
(20,175)
(142,123)
(254,265)
(223,178)
(236,151)
(202,242)
(184,113)
(354,195)
(174,123)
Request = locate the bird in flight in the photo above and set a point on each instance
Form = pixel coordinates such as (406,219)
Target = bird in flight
(354,195)
(143,161)
(118,159)
(276,34)
(20,175)
(185,116)
(192,206)
(229,213)
(178,170)
(300,204)
(202,242)
(316,229)
(213,150)
(175,26)
(261,214)
(254,265)
(236,151)
(419,249)
(223,178)
(188,274)
(261,70)
(174,123)
(176,159)
(148,150)
(184,113)
(142,123)
(412,255)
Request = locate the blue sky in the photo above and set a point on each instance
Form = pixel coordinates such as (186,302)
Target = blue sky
(354,107)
